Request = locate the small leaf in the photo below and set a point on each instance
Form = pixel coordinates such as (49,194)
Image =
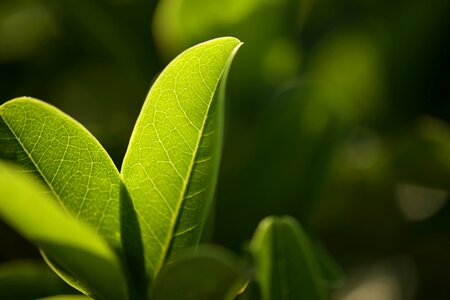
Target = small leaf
(171,164)
(209,273)
(73,164)
(331,273)
(30,280)
(285,265)
(26,206)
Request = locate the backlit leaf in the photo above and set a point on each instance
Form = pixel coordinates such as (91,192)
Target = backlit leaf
(72,163)
(170,167)
(26,206)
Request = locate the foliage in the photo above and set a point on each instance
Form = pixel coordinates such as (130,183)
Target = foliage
(337,114)
(154,208)
(127,235)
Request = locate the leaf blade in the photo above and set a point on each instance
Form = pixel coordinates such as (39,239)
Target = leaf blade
(209,273)
(72,244)
(286,267)
(72,163)
(173,154)
(30,280)
(332,273)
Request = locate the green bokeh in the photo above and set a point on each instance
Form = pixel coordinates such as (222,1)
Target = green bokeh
(337,112)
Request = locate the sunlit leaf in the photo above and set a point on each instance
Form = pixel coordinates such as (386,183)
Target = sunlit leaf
(26,206)
(73,164)
(170,167)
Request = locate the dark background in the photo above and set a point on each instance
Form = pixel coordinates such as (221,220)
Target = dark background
(337,113)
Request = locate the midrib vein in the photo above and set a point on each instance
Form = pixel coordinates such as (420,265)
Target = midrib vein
(36,165)
(180,201)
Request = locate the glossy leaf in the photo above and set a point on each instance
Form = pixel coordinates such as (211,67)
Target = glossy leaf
(21,280)
(67,157)
(26,206)
(210,273)
(170,167)
(285,264)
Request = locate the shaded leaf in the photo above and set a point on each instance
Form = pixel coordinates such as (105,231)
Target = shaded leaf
(26,206)
(73,164)
(285,263)
(171,164)
(249,292)
(21,280)
(209,273)
(331,273)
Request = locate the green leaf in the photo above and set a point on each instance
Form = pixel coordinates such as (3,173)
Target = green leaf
(171,164)
(285,264)
(331,272)
(26,206)
(30,280)
(67,157)
(209,273)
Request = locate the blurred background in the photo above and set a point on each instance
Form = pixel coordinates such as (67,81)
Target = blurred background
(338,114)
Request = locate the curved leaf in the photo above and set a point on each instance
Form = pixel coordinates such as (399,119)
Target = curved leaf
(26,206)
(286,267)
(209,273)
(331,272)
(67,157)
(23,280)
(170,167)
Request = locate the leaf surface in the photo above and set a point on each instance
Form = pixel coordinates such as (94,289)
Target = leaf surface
(331,272)
(72,163)
(171,164)
(26,206)
(30,280)
(285,265)
(209,273)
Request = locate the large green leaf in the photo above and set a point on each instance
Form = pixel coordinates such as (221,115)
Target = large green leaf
(26,206)
(285,264)
(23,280)
(67,157)
(209,273)
(170,167)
